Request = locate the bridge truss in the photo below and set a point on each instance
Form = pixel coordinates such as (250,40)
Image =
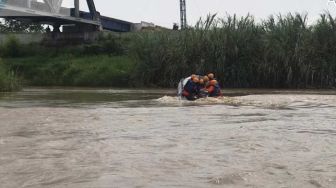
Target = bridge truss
(48,12)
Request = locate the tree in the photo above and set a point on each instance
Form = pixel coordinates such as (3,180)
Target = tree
(12,26)
(175,27)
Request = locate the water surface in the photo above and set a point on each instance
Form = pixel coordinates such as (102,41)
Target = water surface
(148,138)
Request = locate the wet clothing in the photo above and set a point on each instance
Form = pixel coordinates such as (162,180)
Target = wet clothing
(199,87)
(214,91)
(201,91)
(190,91)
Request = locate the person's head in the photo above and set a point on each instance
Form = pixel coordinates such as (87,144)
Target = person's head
(211,76)
(193,76)
(195,80)
(201,81)
(213,82)
(206,79)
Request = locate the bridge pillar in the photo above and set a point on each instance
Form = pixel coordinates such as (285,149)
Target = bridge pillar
(29,3)
(76,8)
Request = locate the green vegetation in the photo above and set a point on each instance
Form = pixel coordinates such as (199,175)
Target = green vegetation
(11,48)
(67,70)
(8,81)
(280,52)
(104,63)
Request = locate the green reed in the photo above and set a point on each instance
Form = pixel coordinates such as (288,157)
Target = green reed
(279,52)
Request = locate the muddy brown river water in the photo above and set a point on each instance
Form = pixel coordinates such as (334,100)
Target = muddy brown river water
(103,138)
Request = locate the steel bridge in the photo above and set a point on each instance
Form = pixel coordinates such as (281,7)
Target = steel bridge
(52,13)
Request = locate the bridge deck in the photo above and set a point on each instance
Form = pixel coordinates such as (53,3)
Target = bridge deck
(43,13)
(11,11)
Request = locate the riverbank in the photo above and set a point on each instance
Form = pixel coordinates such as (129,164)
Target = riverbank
(280,52)
(69,70)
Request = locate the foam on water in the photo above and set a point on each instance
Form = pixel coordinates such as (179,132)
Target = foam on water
(261,101)
(288,101)
(202,101)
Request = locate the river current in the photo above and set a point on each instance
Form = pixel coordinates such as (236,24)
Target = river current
(103,138)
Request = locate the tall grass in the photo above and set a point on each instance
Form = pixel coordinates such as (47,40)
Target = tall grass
(283,51)
(280,52)
(8,81)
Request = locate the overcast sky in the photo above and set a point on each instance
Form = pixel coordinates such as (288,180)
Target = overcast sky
(166,12)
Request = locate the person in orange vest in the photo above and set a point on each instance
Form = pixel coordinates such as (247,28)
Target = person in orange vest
(214,89)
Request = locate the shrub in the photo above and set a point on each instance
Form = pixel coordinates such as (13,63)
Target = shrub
(8,80)
(67,70)
(11,48)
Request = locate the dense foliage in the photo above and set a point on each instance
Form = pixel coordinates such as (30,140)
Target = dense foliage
(69,70)
(8,81)
(280,52)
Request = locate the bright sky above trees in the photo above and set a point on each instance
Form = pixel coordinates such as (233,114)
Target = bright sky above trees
(166,12)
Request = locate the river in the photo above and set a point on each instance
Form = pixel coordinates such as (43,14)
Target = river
(83,138)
